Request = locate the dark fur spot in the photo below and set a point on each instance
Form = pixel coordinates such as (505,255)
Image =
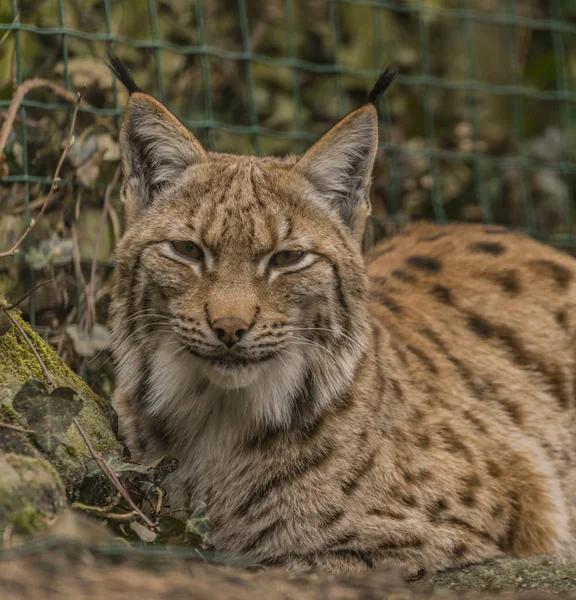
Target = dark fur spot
(497,509)
(303,402)
(493,248)
(386,301)
(461,524)
(422,440)
(460,549)
(434,338)
(453,442)
(507,280)
(339,289)
(161,430)
(561,318)
(416,416)
(397,389)
(260,537)
(431,238)
(399,352)
(513,410)
(493,469)
(331,517)
(379,280)
(362,556)
(480,326)
(507,338)
(424,263)
(351,482)
(560,275)
(552,376)
(381,252)
(468,499)
(403,276)
(342,539)
(475,421)
(424,359)
(442,294)
(473,480)
(409,500)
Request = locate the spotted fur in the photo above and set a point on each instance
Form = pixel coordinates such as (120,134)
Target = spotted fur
(412,407)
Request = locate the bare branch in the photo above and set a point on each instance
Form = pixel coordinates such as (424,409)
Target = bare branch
(55,181)
(112,477)
(15,428)
(19,94)
(39,285)
(9,31)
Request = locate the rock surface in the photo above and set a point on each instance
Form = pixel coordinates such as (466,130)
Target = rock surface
(39,470)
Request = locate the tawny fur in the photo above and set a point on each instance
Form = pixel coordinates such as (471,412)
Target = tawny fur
(414,407)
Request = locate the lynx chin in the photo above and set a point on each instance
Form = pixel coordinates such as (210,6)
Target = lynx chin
(339,412)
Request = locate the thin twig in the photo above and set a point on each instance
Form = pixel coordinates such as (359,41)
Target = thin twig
(20,209)
(112,477)
(90,302)
(39,285)
(19,94)
(45,371)
(15,428)
(54,185)
(9,31)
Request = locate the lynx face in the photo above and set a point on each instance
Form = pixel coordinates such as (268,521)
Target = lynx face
(238,273)
(243,267)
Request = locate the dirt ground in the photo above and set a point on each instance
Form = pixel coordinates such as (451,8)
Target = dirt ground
(67,571)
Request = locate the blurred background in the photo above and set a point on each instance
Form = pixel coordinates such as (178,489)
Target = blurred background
(479,126)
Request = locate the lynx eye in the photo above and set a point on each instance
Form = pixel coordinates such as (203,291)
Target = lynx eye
(188,250)
(286,258)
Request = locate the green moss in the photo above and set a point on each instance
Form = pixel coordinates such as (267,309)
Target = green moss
(19,364)
(68,463)
(17,357)
(26,520)
(31,493)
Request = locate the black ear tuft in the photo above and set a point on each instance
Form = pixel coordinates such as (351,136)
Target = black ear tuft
(121,71)
(385,78)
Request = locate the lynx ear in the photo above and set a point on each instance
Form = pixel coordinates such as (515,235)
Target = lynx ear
(156,147)
(340,164)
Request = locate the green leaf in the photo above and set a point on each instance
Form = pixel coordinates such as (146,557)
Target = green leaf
(198,523)
(48,414)
(169,527)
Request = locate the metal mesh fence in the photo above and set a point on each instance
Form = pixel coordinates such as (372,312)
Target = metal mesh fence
(479,125)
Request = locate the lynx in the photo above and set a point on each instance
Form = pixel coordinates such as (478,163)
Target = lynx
(413,407)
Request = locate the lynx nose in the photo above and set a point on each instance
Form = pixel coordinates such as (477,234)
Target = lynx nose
(230,329)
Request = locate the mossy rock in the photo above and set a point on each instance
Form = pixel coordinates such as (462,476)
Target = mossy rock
(31,493)
(61,471)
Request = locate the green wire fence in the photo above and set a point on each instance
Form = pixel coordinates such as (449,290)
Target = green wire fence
(478,126)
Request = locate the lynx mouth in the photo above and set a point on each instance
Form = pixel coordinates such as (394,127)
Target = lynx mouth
(231,362)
